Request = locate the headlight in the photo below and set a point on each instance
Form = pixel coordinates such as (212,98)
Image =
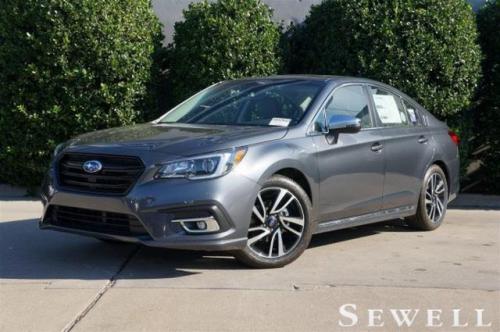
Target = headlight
(202,167)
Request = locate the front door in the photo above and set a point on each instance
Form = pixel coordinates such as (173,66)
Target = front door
(351,168)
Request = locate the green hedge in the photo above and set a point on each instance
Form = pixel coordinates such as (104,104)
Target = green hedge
(427,48)
(68,67)
(488,111)
(222,40)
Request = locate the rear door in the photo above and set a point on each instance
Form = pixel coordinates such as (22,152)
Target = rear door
(406,145)
(352,168)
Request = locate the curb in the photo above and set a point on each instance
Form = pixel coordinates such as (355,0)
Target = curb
(476,201)
(8,191)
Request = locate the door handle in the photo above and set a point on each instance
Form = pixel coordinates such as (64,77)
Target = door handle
(376,147)
(423,139)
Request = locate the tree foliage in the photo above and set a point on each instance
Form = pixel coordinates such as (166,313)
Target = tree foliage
(426,48)
(67,67)
(220,40)
(488,110)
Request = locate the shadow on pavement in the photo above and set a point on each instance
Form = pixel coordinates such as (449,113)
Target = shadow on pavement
(19,199)
(357,232)
(473,207)
(27,253)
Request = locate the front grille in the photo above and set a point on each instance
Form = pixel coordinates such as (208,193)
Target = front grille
(117,176)
(95,221)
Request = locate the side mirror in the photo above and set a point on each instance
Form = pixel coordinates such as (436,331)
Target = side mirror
(344,124)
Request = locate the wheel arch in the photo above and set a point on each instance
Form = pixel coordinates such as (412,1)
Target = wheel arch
(446,171)
(299,177)
(289,159)
(296,170)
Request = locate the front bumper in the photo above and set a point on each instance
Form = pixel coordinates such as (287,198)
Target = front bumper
(156,203)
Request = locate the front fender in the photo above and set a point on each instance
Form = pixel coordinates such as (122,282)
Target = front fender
(264,160)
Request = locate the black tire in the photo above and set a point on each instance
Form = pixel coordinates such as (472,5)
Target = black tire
(423,219)
(250,257)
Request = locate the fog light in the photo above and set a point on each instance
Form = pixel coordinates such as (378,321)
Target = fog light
(201,225)
(198,225)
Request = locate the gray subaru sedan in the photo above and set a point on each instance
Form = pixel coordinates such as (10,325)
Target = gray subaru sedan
(256,167)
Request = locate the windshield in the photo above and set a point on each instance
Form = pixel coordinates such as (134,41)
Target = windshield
(248,103)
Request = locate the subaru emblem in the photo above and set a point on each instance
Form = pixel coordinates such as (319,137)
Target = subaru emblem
(92,166)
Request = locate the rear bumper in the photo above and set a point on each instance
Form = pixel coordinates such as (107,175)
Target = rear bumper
(155,204)
(454,179)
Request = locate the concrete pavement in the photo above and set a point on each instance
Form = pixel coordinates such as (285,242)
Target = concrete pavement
(53,281)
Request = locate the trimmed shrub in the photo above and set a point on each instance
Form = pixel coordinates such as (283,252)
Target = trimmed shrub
(68,67)
(426,48)
(488,110)
(221,40)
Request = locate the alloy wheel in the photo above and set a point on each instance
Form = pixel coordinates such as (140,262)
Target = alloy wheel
(277,224)
(435,196)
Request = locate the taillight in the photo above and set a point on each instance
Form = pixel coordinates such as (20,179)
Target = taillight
(454,137)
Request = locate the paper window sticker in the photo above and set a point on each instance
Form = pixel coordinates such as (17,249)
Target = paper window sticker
(279,122)
(387,109)
(413,115)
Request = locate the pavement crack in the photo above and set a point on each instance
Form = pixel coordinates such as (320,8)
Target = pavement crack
(109,284)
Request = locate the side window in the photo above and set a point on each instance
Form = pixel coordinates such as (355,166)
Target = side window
(412,113)
(389,108)
(352,101)
(320,122)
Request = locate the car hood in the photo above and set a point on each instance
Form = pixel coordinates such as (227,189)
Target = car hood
(178,139)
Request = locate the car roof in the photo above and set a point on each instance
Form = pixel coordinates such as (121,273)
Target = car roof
(311,77)
(324,79)
(305,77)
